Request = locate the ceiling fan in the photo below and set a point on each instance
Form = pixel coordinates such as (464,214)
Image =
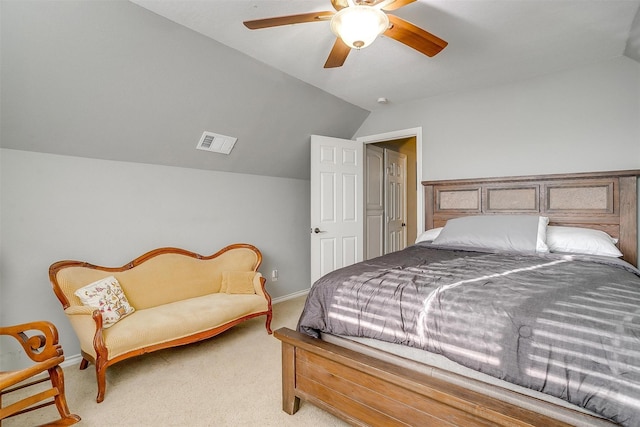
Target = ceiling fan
(357,23)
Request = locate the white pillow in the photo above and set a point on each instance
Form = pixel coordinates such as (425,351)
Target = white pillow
(581,241)
(107,296)
(519,233)
(429,235)
(541,238)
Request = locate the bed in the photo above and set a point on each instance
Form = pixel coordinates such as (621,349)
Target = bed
(371,371)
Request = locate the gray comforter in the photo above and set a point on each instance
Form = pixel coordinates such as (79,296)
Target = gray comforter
(565,326)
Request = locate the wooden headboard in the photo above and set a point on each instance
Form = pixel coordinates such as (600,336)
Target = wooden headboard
(606,201)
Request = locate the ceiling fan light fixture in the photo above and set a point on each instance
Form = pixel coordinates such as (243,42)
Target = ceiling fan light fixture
(359,26)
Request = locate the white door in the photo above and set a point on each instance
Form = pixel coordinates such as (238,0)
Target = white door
(395,166)
(374,202)
(336,204)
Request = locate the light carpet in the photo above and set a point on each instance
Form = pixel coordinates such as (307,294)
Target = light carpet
(233,379)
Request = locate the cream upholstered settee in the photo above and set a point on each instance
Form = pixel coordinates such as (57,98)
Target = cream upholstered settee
(164,298)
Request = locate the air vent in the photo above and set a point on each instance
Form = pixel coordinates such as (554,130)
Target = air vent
(216,143)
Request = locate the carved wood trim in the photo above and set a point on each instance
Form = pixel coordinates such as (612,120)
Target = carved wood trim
(57,266)
(39,340)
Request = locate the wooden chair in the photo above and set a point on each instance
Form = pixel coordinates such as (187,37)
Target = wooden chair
(47,354)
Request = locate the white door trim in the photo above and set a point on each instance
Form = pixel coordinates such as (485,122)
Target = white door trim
(406,133)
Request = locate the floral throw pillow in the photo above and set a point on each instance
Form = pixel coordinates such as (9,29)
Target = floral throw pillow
(107,296)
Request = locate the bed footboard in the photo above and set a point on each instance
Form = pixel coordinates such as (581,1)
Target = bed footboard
(363,390)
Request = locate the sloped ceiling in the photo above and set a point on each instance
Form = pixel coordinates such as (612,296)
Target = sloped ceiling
(490,42)
(111,80)
(141,81)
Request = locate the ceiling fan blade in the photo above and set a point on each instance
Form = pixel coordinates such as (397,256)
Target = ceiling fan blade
(414,37)
(339,4)
(288,20)
(382,4)
(338,54)
(397,4)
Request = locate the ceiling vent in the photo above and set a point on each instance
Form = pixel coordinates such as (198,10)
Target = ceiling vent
(216,143)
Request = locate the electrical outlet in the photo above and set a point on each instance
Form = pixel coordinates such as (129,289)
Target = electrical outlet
(274,275)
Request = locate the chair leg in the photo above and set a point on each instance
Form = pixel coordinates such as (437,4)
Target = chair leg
(269,317)
(101,376)
(84,364)
(57,381)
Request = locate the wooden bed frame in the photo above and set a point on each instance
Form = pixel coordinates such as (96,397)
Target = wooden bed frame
(366,390)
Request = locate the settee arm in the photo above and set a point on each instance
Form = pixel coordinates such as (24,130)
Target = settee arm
(75,310)
(87,323)
(258,284)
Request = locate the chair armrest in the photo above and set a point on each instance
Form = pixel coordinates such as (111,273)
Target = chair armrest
(79,309)
(92,321)
(39,347)
(257,283)
(87,324)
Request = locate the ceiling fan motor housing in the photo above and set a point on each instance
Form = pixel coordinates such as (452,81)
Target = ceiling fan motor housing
(358,26)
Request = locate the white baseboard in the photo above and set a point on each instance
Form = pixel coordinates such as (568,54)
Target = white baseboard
(77,358)
(290,296)
(71,360)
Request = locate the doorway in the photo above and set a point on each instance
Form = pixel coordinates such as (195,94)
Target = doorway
(390,196)
(337,198)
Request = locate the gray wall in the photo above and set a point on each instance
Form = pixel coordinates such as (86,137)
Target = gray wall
(579,120)
(109,212)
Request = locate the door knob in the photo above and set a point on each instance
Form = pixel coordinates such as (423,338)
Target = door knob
(317,230)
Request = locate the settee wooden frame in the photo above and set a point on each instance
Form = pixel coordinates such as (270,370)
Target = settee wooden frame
(365,390)
(101,361)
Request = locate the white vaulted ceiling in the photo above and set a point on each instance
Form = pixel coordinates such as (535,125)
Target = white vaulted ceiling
(490,42)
